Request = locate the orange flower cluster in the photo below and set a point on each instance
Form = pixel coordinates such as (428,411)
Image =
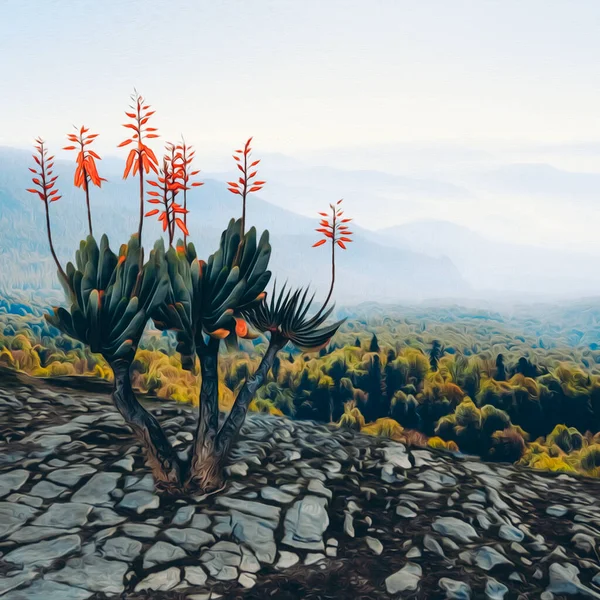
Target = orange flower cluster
(86,159)
(44,180)
(246,183)
(334,228)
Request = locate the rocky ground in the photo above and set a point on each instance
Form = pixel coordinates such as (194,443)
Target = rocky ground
(309,511)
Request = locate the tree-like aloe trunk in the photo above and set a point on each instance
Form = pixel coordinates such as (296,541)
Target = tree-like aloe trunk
(206,465)
(212,446)
(161,456)
(235,419)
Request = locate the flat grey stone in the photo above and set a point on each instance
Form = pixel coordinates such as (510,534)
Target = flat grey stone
(256,533)
(252,508)
(125,464)
(183,516)
(13,516)
(29,534)
(122,548)
(405,512)
(396,455)
(405,580)
(316,487)
(249,562)
(494,590)
(163,581)
(46,489)
(200,521)
(238,468)
(8,583)
(140,501)
(92,573)
(313,558)
(97,490)
(584,542)
(557,510)
(105,516)
(140,530)
(436,480)
(246,580)
(50,442)
(276,495)
(67,515)
(432,545)
(286,559)
(487,558)
(222,560)
(189,538)
(564,580)
(43,553)
(349,524)
(18,498)
(13,480)
(511,534)
(455,528)
(455,590)
(71,475)
(146,483)
(374,544)
(305,522)
(195,575)
(161,553)
(42,589)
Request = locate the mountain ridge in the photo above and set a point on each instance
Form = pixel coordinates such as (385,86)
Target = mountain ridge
(366,265)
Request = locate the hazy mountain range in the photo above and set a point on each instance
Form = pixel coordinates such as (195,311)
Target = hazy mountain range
(367,270)
(429,255)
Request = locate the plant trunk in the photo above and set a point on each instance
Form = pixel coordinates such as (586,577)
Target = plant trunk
(235,419)
(206,466)
(212,447)
(160,455)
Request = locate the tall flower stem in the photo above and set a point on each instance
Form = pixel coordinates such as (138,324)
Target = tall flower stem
(332,264)
(87,200)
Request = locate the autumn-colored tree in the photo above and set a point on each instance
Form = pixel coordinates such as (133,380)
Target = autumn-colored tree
(185,157)
(141,158)
(86,170)
(246,183)
(169,184)
(335,230)
(44,181)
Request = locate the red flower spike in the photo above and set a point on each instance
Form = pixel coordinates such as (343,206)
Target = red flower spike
(182,176)
(141,159)
(333,228)
(245,184)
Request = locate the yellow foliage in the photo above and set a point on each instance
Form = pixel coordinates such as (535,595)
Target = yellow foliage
(438,442)
(264,406)
(352,417)
(385,427)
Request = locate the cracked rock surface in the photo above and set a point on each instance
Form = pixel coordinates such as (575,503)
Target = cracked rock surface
(309,511)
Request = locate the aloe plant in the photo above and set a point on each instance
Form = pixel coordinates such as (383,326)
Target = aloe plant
(213,302)
(111,300)
(205,303)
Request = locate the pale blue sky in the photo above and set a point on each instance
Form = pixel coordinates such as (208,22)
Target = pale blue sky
(303,75)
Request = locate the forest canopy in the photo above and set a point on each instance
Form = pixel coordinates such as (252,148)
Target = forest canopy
(522,386)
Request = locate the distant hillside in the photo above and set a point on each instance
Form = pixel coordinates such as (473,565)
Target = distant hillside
(490,265)
(368,270)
